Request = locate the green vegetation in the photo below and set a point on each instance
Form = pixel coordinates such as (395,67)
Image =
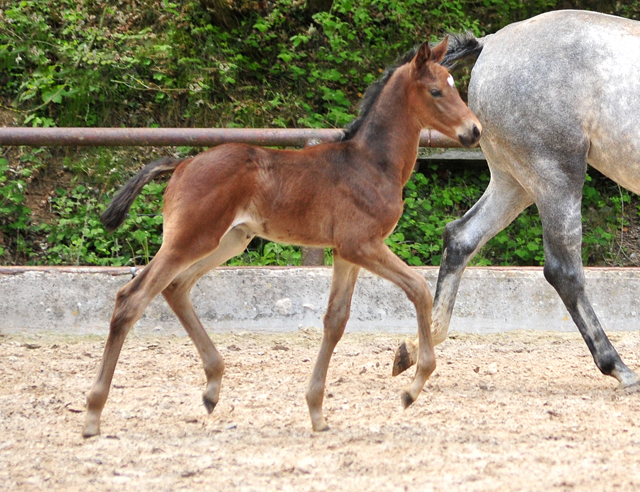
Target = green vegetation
(436,196)
(246,63)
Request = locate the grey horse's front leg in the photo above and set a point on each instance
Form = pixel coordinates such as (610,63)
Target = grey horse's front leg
(500,204)
(562,229)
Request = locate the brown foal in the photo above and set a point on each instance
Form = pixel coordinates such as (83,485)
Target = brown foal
(345,195)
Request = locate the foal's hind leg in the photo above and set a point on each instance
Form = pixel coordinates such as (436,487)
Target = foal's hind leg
(131,301)
(177,296)
(560,212)
(344,279)
(500,204)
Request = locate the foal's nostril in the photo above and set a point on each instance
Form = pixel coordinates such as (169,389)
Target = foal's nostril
(470,137)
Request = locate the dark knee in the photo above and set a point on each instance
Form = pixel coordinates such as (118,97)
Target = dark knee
(564,276)
(135,285)
(335,317)
(457,246)
(177,293)
(430,366)
(171,288)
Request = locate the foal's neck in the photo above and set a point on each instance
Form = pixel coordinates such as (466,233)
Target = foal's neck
(391,132)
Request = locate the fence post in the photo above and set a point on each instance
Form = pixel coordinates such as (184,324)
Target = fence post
(312,256)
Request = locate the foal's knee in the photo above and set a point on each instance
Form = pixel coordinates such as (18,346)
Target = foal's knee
(337,313)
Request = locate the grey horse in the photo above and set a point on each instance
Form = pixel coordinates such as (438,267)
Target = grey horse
(553,93)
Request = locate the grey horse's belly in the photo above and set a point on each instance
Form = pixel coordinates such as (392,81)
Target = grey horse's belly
(561,87)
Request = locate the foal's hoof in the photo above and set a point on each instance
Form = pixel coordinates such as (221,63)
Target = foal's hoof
(319,425)
(208,403)
(407,399)
(91,426)
(87,434)
(405,357)
(90,431)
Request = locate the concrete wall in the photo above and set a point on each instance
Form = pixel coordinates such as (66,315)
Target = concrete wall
(80,301)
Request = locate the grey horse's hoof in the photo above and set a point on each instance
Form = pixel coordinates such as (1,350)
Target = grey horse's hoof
(632,388)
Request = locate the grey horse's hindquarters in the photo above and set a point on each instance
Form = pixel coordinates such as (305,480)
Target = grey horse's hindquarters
(535,89)
(541,89)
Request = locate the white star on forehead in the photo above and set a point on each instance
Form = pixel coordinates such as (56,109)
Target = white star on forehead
(450,81)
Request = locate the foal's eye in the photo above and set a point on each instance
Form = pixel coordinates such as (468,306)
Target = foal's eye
(436,93)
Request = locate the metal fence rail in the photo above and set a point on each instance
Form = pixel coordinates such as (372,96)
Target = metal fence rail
(198,137)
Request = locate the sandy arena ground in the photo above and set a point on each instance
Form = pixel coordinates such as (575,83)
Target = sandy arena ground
(508,412)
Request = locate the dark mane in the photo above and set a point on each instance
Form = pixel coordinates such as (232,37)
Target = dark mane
(373,92)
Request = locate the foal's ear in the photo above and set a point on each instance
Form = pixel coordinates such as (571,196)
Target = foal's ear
(422,56)
(438,51)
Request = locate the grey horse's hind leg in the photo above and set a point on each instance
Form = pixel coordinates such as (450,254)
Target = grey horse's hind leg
(560,211)
(500,204)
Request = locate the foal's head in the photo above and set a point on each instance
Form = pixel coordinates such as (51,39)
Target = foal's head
(436,100)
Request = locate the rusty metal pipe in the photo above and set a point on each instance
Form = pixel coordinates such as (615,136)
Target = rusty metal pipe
(198,137)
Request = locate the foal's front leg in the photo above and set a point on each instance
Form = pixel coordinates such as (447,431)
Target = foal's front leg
(378,258)
(344,279)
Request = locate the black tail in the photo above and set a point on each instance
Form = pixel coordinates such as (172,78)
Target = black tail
(119,207)
(462,46)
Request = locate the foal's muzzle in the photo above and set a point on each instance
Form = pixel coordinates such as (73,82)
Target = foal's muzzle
(471,135)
